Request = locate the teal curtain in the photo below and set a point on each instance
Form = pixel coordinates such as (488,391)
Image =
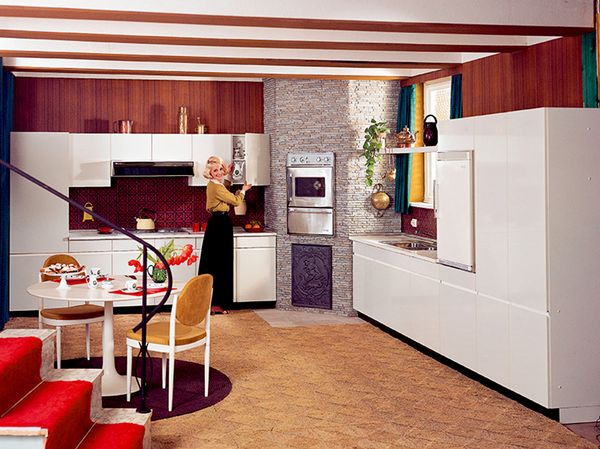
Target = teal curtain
(6,112)
(589,70)
(456,97)
(406,117)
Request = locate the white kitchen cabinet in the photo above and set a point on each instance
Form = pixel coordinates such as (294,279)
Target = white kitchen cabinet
(204,146)
(24,271)
(171,147)
(131,147)
(528,333)
(39,221)
(258,159)
(492,338)
(537,281)
(255,267)
(491,205)
(458,321)
(90,160)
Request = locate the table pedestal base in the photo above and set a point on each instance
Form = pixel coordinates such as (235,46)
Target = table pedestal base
(116,385)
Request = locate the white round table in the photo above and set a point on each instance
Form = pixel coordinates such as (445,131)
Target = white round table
(113,384)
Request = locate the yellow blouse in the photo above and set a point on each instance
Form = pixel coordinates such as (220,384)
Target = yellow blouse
(218,198)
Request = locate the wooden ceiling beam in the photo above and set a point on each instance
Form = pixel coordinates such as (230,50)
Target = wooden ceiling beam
(171,73)
(281,22)
(220,60)
(258,43)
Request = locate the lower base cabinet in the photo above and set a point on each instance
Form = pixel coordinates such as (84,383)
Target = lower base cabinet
(254,269)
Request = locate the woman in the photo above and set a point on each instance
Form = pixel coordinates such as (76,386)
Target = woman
(217,248)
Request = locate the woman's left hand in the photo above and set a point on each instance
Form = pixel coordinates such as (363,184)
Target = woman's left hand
(246,187)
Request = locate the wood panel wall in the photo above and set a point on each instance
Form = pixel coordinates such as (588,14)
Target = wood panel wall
(92,105)
(543,75)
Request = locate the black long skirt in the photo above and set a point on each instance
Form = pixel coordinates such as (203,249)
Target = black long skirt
(216,258)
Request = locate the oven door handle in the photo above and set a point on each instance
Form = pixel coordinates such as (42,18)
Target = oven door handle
(289,188)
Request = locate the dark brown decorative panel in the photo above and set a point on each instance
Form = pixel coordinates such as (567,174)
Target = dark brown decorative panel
(92,105)
(311,276)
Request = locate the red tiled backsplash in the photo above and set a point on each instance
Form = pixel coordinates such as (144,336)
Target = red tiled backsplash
(176,204)
(426,223)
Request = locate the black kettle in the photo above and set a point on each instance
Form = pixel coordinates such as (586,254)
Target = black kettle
(430,133)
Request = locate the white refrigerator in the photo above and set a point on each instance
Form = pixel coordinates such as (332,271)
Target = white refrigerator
(454,210)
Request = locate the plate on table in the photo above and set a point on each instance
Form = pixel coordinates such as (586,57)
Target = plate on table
(70,271)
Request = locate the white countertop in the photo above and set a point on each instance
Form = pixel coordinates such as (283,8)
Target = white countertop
(379,240)
(92,234)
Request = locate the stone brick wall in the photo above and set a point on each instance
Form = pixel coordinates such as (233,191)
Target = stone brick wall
(318,116)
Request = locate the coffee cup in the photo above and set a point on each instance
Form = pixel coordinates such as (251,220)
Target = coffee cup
(93,281)
(131,284)
(95,271)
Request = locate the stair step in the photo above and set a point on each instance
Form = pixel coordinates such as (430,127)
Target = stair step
(20,361)
(48,338)
(62,407)
(114,436)
(128,415)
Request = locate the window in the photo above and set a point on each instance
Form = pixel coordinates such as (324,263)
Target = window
(437,102)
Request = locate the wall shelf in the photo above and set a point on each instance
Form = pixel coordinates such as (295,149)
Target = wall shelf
(409,150)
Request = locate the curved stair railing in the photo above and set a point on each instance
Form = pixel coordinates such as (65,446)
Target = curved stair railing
(146,316)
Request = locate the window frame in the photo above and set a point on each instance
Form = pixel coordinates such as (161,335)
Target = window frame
(429,87)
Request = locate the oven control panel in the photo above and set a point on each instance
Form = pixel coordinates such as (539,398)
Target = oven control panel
(321,159)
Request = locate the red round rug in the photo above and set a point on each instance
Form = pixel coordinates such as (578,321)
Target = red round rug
(188,392)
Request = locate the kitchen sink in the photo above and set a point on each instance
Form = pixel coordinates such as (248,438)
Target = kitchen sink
(413,246)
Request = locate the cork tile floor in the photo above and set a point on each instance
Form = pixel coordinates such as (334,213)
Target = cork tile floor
(334,386)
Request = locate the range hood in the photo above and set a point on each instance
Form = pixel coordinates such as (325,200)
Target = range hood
(149,168)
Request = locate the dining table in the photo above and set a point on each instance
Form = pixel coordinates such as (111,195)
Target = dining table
(113,383)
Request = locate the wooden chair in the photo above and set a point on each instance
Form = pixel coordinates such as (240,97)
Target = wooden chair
(67,316)
(183,331)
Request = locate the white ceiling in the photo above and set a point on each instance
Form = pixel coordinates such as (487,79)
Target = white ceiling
(176,39)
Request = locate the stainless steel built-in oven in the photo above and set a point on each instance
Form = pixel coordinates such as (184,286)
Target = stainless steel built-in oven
(310,189)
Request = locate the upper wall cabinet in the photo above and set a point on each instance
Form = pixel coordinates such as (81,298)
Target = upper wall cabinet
(90,160)
(206,145)
(131,147)
(39,221)
(171,147)
(258,159)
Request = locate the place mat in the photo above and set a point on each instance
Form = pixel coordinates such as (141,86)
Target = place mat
(140,292)
(83,280)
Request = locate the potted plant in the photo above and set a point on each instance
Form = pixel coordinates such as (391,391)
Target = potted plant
(372,146)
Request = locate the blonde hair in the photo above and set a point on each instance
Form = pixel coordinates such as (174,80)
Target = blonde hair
(212,162)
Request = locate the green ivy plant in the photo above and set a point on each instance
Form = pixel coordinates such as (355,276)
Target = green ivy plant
(372,146)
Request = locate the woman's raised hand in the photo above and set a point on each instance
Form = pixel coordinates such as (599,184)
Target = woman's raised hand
(246,187)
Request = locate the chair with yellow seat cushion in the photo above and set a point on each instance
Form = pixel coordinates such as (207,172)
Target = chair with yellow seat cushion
(187,328)
(67,316)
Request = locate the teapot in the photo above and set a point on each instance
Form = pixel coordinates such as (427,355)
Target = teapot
(405,138)
(144,221)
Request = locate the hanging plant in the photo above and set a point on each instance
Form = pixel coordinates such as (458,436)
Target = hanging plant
(372,146)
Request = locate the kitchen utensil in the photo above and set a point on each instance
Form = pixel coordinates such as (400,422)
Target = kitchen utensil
(379,199)
(123,126)
(105,230)
(405,138)
(430,132)
(145,219)
(86,216)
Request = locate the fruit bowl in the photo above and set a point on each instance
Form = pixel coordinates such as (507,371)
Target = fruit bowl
(254,226)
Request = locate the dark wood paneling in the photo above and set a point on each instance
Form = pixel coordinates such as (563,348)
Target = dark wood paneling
(543,75)
(92,105)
